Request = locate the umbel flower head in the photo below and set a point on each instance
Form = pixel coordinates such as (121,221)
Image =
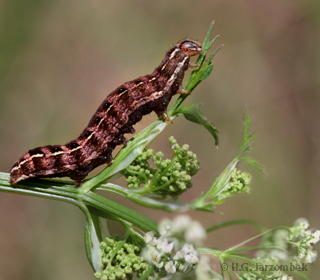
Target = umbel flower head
(183,229)
(290,246)
(302,239)
(170,253)
(296,244)
(166,258)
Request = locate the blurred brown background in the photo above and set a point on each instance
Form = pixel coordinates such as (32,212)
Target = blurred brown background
(59,59)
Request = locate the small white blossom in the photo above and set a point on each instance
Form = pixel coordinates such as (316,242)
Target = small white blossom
(281,255)
(165,227)
(303,222)
(158,265)
(311,256)
(156,256)
(286,277)
(167,247)
(302,252)
(148,237)
(183,267)
(181,223)
(162,252)
(154,242)
(188,248)
(160,240)
(179,255)
(191,258)
(203,269)
(315,237)
(308,233)
(147,253)
(170,268)
(195,233)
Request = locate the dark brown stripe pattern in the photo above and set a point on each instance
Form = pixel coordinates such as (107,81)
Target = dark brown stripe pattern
(116,116)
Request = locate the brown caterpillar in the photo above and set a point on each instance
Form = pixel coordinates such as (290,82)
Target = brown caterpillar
(122,108)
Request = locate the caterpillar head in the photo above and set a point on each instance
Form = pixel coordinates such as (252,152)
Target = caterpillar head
(190,47)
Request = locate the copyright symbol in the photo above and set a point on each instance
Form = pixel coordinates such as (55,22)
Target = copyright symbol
(224,267)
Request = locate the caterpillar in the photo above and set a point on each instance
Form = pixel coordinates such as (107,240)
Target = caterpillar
(117,114)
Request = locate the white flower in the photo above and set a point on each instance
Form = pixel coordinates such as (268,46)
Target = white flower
(303,222)
(167,247)
(170,268)
(188,248)
(165,227)
(203,269)
(147,253)
(315,237)
(148,237)
(302,252)
(311,256)
(181,223)
(179,255)
(159,242)
(183,267)
(155,256)
(154,242)
(195,233)
(286,277)
(279,254)
(158,265)
(191,258)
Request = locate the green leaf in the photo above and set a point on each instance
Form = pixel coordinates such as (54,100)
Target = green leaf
(168,205)
(235,222)
(198,74)
(206,45)
(206,73)
(220,183)
(193,114)
(246,137)
(92,238)
(253,163)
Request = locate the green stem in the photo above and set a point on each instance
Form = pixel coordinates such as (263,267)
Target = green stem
(166,184)
(257,248)
(235,222)
(255,237)
(113,188)
(209,251)
(146,179)
(149,188)
(75,197)
(143,199)
(147,273)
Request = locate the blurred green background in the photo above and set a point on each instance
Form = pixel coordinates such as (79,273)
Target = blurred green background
(59,60)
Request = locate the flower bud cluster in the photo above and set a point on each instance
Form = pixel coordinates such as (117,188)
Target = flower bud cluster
(239,183)
(171,177)
(139,171)
(120,260)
